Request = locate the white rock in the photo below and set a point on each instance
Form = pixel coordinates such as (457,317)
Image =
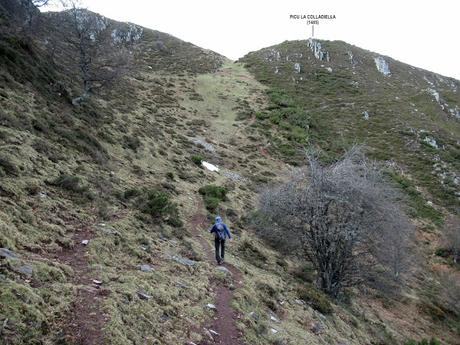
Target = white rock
(435,94)
(85,242)
(146,268)
(224,270)
(143,295)
(382,65)
(211,306)
(213,332)
(254,315)
(274,319)
(274,331)
(317,50)
(366,115)
(431,141)
(297,67)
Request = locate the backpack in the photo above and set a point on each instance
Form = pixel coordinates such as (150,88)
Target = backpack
(220,231)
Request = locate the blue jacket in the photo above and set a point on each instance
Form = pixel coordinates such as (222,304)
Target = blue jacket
(215,230)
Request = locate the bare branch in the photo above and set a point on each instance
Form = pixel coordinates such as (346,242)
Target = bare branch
(342,217)
(87,47)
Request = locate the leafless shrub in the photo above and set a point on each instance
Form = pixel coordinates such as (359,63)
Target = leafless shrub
(344,218)
(452,237)
(450,291)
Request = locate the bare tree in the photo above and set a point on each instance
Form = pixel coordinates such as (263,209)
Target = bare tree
(452,237)
(90,48)
(32,12)
(343,217)
(449,291)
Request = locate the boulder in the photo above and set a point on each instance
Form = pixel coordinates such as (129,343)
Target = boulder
(143,295)
(7,254)
(184,261)
(146,268)
(211,306)
(224,269)
(26,270)
(316,328)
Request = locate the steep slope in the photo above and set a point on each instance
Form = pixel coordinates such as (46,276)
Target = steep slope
(123,172)
(405,115)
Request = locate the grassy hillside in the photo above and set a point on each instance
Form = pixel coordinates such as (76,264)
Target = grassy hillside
(408,118)
(123,172)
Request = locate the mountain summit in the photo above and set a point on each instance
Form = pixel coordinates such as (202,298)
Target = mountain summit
(405,115)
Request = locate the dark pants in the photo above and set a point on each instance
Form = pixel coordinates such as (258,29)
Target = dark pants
(220,249)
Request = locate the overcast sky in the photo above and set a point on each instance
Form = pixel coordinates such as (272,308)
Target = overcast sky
(422,33)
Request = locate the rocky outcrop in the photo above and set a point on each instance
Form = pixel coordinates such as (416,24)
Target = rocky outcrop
(297,67)
(129,33)
(318,50)
(382,65)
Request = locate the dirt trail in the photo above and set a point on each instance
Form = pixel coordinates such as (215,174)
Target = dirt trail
(224,322)
(85,320)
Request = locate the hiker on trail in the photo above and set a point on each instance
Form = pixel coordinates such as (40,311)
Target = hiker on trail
(221,232)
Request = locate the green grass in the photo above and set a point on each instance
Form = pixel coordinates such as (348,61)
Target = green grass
(129,137)
(158,204)
(197,159)
(432,341)
(324,109)
(419,206)
(212,196)
(316,299)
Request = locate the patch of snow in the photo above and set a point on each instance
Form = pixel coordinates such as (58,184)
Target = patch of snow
(382,65)
(209,166)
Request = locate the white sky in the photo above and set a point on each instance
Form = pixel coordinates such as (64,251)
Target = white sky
(422,33)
